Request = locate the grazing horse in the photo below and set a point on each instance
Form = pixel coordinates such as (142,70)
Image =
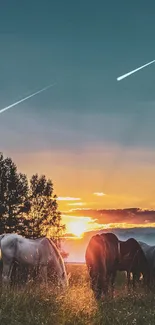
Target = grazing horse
(33,253)
(149,252)
(102,259)
(133,260)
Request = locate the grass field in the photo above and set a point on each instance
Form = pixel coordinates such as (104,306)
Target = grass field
(37,306)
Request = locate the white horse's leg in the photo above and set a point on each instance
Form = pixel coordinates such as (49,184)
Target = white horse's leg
(43,273)
(6,273)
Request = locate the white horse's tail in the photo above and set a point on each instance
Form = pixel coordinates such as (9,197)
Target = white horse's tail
(1,237)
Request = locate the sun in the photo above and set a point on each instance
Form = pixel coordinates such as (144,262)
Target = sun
(77,227)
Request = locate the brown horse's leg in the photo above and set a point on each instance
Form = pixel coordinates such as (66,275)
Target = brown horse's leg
(98,293)
(96,285)
(105,285)
(113,277)
(128,280)
(146,282)
(136,277)
(149,280)
(152,280)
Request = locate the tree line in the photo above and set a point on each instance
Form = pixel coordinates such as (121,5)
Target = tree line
(28,207)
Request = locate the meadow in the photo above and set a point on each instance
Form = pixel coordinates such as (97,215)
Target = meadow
(35,305)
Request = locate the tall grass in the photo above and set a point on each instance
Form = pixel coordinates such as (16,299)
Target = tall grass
(37,306)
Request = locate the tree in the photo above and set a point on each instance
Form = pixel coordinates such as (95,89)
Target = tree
(44,219)
(28,209)
(13,195)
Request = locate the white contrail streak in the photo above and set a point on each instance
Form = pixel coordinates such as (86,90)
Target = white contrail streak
(23,100)
(133,71)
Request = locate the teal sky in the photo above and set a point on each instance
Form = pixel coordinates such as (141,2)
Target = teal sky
(83,46)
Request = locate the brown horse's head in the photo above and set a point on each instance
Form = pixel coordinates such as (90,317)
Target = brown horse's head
(101,256)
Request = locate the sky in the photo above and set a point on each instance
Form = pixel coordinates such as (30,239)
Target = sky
(88,133)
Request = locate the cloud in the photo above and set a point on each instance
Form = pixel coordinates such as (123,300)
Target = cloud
(75,209)
(118,217)
(99,193)
(77,203)
(68,198)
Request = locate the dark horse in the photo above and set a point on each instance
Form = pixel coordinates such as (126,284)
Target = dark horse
(105,255)
(133,261)
(102,256)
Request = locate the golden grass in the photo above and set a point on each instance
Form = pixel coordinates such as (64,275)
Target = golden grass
(37,306)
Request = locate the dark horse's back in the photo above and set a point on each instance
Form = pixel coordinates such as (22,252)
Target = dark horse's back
(132,256)
(101,258)
(133,260)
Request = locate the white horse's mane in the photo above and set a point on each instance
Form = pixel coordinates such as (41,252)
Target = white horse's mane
(57,252)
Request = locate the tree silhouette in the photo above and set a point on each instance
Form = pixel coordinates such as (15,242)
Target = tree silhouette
(13,195)
(43,219)
(28,209)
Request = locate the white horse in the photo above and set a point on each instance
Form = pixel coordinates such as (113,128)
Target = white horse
(31,252)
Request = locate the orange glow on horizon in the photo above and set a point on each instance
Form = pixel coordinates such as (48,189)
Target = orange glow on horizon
(78,226)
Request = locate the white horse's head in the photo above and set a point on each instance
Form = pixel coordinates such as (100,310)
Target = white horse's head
(64,279)
(59,266)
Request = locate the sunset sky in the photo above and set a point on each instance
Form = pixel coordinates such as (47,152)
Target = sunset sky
(89,133)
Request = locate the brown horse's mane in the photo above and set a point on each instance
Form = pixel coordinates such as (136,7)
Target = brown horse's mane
(133,242)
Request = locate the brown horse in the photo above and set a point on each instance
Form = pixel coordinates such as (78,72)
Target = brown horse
(105,255)
(149,252)
(102,256)
(133,261)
